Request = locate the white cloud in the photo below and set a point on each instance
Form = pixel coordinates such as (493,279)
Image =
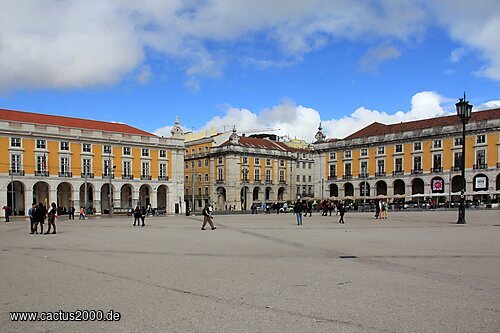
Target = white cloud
(301,122)
(456,55)
(164,131)
(488,105)
(144,75)
(374,57)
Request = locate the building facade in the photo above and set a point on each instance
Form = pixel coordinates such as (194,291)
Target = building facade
(232,172)
(73,161)
(413,160)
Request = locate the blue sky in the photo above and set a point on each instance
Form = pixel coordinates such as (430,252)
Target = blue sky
(284,64)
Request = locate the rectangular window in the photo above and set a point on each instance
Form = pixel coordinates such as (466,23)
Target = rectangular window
(106,149)
(199,163)
(257,161)
(333,170)
(41,164)
(298,178)
(199,150)
(481,138)
(186,165)
(347,154)
(417,163)
(268,161)
(364,168)
(309,178)
(15,163)
(126,151)
(163,153)
(282,175)
(163,170)
(87,148)
(348,169)
(106,170)
(333,156)
(436,161)
(257,175)
(303,178)
(206,161)
(220,160)
(481,158)
(436,144)
(127,170)
(206,191)
(457,160)
(245,160)
(380,150)
(457,142)
(268,175)
(15,142)
(199,194)
(64,145)
(145,152)
(86,166)
(304,165)
(282,163)
(417,146)
(364,152)
(398,148)
(399,165)
(310,165)
(244,175)
(199,177)
(380,166)
(145,169)
(41,144)
(220,174)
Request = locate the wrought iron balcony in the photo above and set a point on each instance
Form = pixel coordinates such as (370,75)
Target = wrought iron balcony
(480,166)
(145,177)
(106,176)
(332,177)
(87,175)
(436,169)
(39,173)
(127,176)
(398,172)
(456,168)
(364,175)
(417,171)
(380,174)
(349,176)
(282,182)
(16,172)
(219,181)
(65,174)
(163,178)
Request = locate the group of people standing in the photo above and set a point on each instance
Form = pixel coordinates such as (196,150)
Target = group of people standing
(140,215)
(38,214)
(381,208)
(300,207)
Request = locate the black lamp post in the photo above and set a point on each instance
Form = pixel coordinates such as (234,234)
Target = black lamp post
(464,110)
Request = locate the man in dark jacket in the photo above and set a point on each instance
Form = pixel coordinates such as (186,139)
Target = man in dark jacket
(207,217)
(297,209)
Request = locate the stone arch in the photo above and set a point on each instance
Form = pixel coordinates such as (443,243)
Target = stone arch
(90,195)
(41,192)
(399,187)
(269,192)
(281,194)
(17,192)
(498,182)
(221,197)
(334,190)
(145,194)
(255,193)
(162,196)
(126,196)
(381,187)
(348,190)
(106,196)
(64,195)
(456,184)
(417,186)
(244,197)
(364,189)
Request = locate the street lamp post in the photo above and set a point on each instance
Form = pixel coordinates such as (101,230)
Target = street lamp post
(464,110)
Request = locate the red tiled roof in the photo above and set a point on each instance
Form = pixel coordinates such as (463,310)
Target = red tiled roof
(246,141)
(45,119)
(375,128)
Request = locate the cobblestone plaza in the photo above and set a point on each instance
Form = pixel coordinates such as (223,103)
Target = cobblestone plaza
(416,271)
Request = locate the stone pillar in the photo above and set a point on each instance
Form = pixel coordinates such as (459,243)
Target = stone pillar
(135,198)
(97,202)
(3,198)
(153,196)
(76,199)
(52,196)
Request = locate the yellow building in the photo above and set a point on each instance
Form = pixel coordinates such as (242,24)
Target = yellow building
(232,171)
(71,161)
(414,160)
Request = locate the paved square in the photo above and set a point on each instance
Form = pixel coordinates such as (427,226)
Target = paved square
(415,272)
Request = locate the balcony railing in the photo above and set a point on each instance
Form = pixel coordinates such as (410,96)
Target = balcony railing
(364,175)
(163,178)
(416,171)
(480,166)
(106,176)
(333,177)
(39,173)
(380,174)
(436,169)
(87,175)
(456,168)
(219,181)
(65,174)
(282,182)
(145,177)
(347,176)
(16,172)
(127,176)
(398,172)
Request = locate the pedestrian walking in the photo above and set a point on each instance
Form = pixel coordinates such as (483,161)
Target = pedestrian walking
(384,210)
(309,208)
(377,209)
(207,217)
(71,212)
(31,212)
(7,213)
(52,215)
(143,215)
(285,207)
(330,207)
(341,210)
(137,215)
(82,214)
(297,209)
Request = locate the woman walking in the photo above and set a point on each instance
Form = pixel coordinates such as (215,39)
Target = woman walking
(52,215)
(137,215)
(143,215)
